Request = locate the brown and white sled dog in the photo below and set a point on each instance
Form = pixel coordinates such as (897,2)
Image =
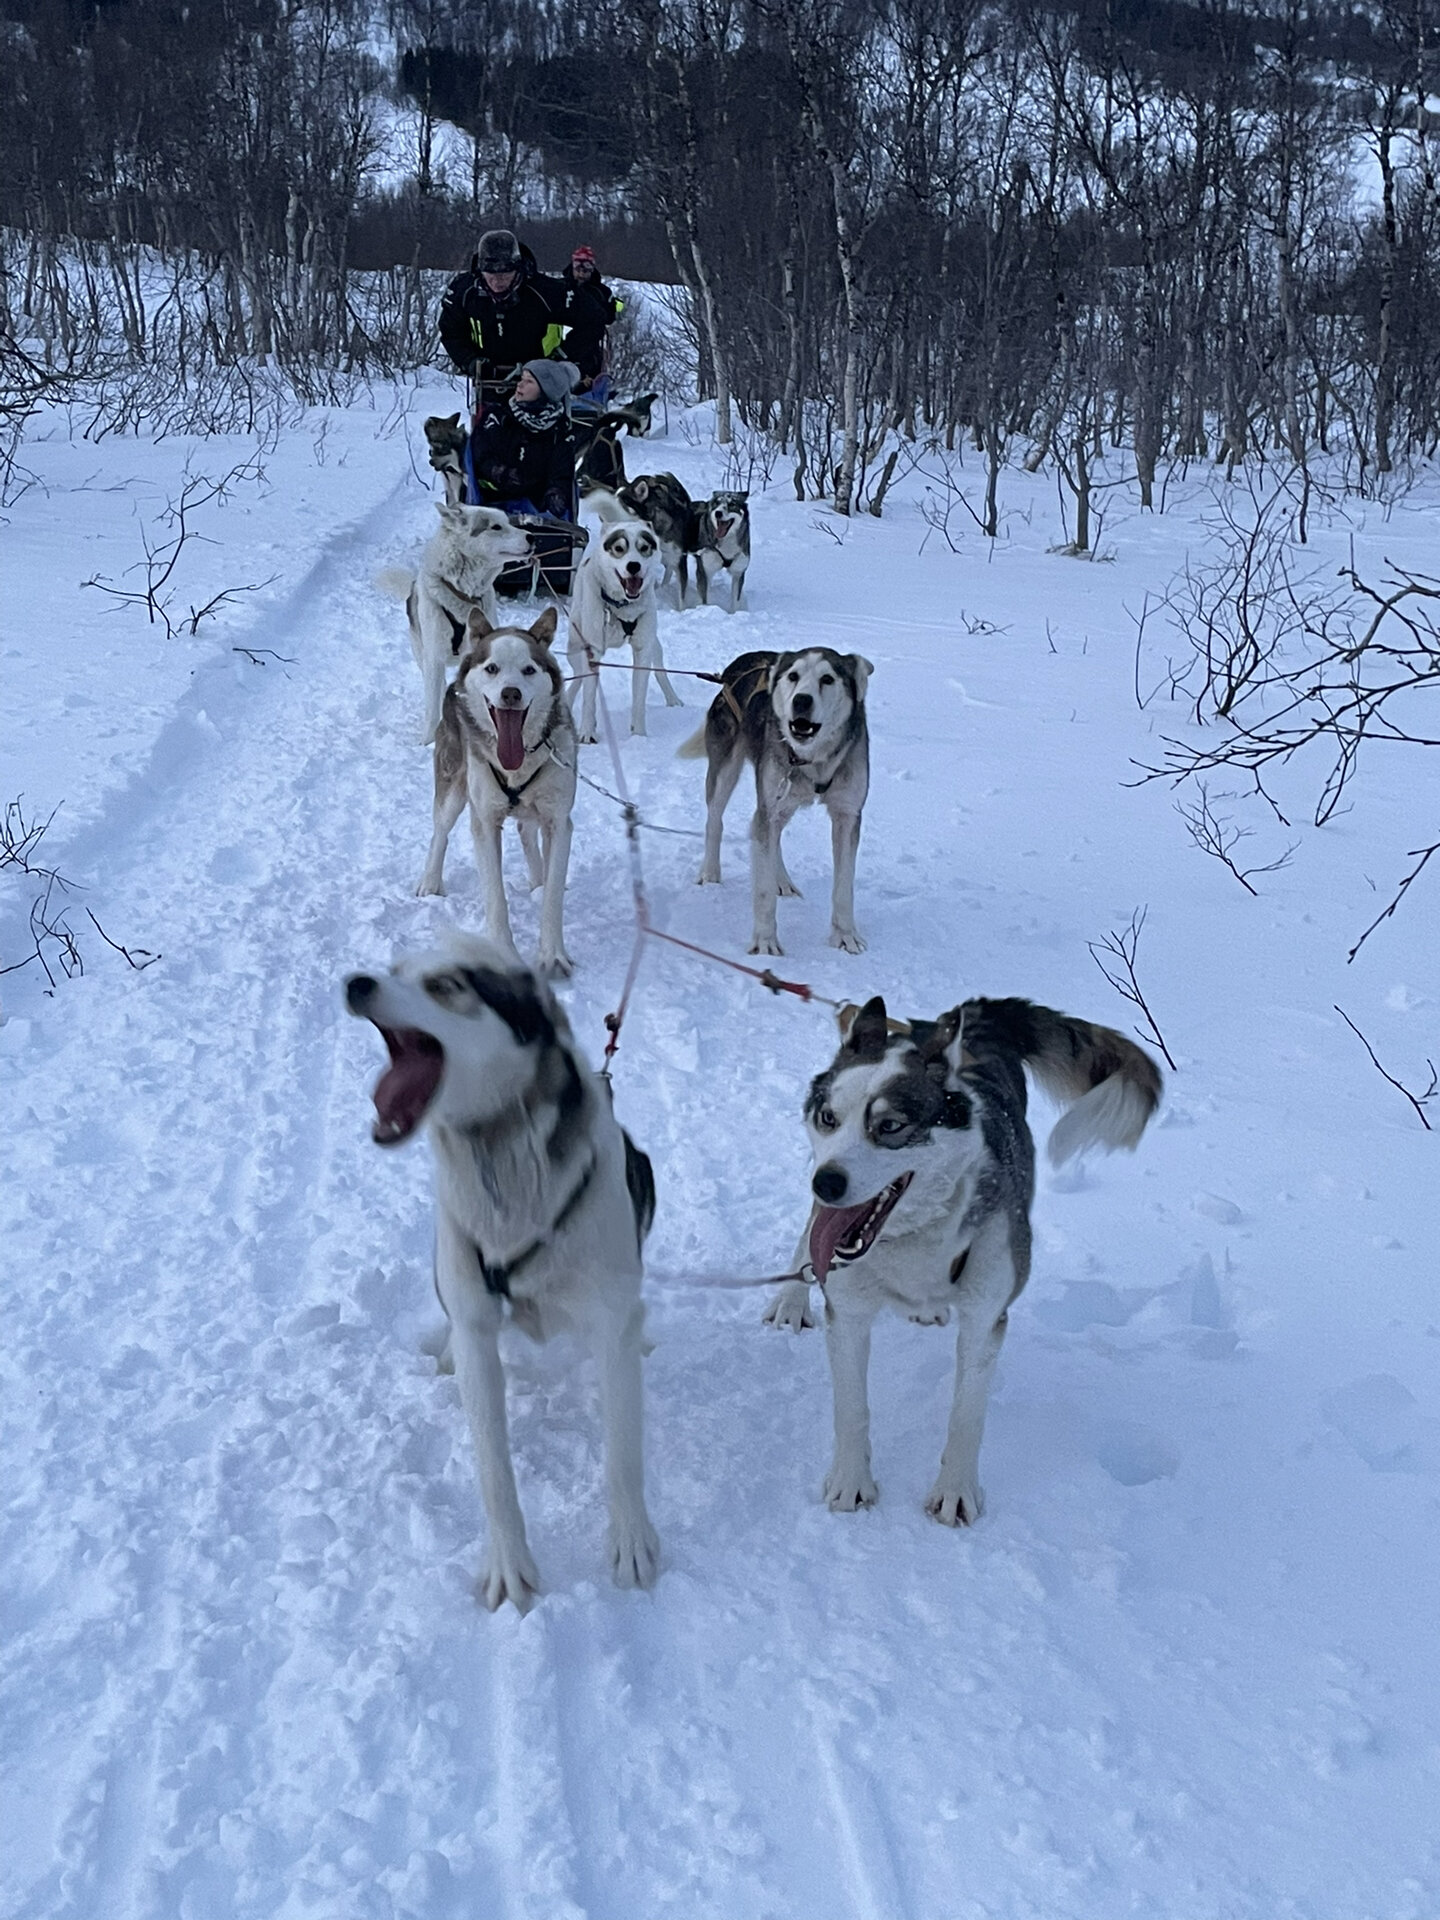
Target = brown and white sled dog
(542,1204)
(924,1174)
(459,566)
(506,744)
(799,718)
(614,602)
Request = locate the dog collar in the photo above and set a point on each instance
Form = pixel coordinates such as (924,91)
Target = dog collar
(627,627)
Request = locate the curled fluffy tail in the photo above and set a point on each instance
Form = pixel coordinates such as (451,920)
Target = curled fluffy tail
(1110,1086)
(694,747)
(604,503)
(395,582)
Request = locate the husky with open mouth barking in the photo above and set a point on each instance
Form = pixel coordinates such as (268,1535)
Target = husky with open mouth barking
(507,746)
(924,1174)
(799,718)
(614,602)
(543,1203)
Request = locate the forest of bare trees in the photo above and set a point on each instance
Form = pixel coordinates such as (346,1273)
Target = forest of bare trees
(1173,230)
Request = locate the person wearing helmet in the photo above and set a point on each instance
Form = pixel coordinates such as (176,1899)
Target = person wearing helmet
(590,308)
(503,311)
(521,457)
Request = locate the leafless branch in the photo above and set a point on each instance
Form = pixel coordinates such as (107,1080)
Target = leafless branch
(139,959)
(257,655)
(1119,969)
(1417,1101)
(1421,857)
(1218,835)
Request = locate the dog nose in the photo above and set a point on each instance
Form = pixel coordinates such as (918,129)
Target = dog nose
(633,567)
(510,696)
(802,703)
(360,989)
(829,1184)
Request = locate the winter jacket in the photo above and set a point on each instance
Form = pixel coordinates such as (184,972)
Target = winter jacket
(487,337)
(511,463)
(590,308)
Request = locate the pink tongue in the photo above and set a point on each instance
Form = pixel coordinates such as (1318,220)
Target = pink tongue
(832,1225)
(509,735)
(403,1092)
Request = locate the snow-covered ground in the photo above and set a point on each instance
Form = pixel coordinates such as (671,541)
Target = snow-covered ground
(1185,1667)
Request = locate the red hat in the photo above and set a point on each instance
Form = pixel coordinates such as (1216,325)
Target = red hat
(583,253)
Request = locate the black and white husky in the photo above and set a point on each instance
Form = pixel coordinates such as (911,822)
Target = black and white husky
(799,718)
(542,1204)
(506,745)
(722,544)
(614,603)
(924,1174)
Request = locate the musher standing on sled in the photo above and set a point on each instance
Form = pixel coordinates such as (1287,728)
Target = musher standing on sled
(590,309)
(503,312)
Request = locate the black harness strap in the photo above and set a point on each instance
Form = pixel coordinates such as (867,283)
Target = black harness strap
(513,794)
(497,1275)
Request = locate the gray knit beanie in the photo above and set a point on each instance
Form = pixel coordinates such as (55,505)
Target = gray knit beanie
(558,378)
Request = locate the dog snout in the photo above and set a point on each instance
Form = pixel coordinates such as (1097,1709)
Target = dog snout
(633,566)
(802,703)
(829,1184)
(510,696)
(360,990)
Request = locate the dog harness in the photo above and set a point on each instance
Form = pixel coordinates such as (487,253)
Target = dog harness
(627,627)
(498,1274)
(512,794)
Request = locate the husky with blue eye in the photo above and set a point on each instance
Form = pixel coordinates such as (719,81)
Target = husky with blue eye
(924,1174)
(542,1205)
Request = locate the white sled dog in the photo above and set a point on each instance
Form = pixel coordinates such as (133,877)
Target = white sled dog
(799,718)
(542,1206)
(722,544)
(614,602)
(461,562)
(506,744)
(924,1174)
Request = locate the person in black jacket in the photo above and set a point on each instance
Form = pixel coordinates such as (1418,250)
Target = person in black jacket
(503,312)
(590,308)
(522,457)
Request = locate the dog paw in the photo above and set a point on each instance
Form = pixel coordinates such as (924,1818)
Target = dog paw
(509,1576)
(791,1308)
(672,699)
(771,946)
(634,1552)
(789,891)
(555,966)
(638,733)
(708,877)
(847,1492)
(933,1317)
(955,1506)
(429,889)
(588,739)
(847,939)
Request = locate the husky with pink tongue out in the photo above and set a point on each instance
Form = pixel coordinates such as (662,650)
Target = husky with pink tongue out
(924,1174)
(506,744)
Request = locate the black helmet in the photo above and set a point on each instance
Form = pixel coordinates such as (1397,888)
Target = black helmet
(499,252)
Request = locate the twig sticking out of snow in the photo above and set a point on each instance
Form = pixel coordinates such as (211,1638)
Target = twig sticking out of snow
(1417,1100)
(1122,948)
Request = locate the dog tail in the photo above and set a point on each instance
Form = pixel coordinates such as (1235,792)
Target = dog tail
(395,582)
(693,748)
(606,505)
(1109,1086)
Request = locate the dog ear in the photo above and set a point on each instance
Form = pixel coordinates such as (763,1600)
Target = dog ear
(869,1030)
(640,489)
(544,628)
(452,420)
(452,516)
(476,626)
(862,670)
(943,1045)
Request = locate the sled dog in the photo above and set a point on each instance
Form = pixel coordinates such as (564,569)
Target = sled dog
(461,561)
(506,744)
(663,504)
(542,1205)
(799,718)
(722,543)
(614,601)
(445,443)
(924,1173)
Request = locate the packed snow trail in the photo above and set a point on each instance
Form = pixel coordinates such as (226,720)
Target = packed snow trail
(1182,1668)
